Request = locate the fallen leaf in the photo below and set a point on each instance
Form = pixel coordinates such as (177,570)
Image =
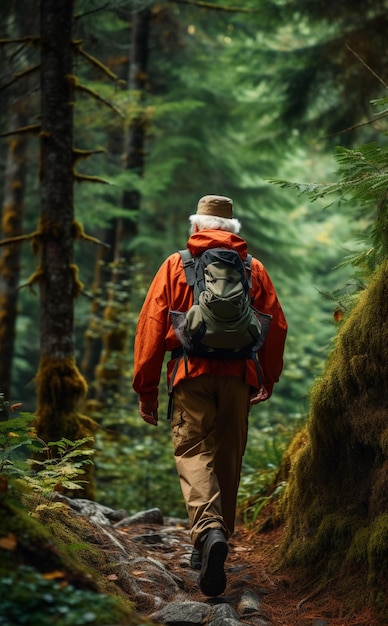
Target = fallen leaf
(9,542)
(16,406)
(53,575)
(242,549)
(3,484)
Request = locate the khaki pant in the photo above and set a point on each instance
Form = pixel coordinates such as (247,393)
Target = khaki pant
(209,433)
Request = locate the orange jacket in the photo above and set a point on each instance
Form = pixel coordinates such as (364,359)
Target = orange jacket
(170,291)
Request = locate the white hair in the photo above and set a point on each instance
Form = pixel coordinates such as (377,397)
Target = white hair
(201,222)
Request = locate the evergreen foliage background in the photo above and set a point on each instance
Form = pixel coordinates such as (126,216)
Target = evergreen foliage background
(234,100)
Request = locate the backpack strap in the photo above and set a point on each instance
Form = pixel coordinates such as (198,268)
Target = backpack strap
(177,354)
(248,267)
(188,265)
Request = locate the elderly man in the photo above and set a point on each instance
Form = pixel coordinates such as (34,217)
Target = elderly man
(211,396)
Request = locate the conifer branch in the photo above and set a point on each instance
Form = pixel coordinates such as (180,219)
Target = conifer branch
(90,179)
(96,62)
(19,238)
(91,239)
(79,87)
(214,7)
(91,11)
(79,233)
(29,39)
(34,129)
(85,154)
(23,74)
(367,66)
(359,125)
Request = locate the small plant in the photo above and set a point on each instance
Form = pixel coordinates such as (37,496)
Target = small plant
(46,472)
(27,597)
(16,435)
(62,471)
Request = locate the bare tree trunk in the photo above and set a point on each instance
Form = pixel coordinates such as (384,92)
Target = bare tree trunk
(93,333)
(60,386)
(135,139)
(18,111)
(109,372)
(11,226)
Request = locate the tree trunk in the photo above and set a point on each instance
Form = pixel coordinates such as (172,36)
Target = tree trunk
(60,386)
(18,111)
(93,333)
(135,139)
(12,219)
(115,337)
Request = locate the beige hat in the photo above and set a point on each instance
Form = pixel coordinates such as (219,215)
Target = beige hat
(220,206)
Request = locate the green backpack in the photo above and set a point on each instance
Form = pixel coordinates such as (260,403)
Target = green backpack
(221,322)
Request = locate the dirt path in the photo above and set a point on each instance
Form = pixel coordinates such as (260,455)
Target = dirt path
(250,565)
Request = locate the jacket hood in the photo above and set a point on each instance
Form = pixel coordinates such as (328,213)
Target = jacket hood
(204,239)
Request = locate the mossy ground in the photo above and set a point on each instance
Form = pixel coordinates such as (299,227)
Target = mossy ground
(56,544)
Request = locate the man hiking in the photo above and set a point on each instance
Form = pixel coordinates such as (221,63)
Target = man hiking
(211,387)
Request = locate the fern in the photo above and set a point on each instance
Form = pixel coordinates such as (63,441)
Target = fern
(361,191)
(62,471)
(21,473)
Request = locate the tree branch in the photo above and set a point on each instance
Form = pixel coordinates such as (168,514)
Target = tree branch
(96,62)
(90,179)
(20,238)
(30,39)
(32,128)
(79,87)
(16,77)
(367,66)
(79,233)
(85,154)
(214,7)
(360,125)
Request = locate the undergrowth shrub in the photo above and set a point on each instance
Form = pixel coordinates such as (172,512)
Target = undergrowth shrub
(28,597)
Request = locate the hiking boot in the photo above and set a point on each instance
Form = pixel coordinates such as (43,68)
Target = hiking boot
(196,559)
(212,579)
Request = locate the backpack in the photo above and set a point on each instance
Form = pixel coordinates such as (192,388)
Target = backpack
(221,322)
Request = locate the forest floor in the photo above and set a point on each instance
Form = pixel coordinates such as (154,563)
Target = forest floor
(285,597)
(283,601)
(288,602)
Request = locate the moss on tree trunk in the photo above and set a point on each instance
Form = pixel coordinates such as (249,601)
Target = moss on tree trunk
(60,386)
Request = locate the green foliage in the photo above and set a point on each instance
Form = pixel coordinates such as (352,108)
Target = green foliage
(28,597)
(324,61)
(267,443)
(138,472)
(218,85)
(45,472)
(360,193)
(134,464)
(62,470)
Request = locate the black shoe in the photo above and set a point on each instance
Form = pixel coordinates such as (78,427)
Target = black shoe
(212,579)
(196,559)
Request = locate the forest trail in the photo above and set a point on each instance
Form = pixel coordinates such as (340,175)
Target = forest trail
(147,556)
(250,565)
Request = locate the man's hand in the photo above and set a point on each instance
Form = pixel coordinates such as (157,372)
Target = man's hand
(260,396)
(149,412)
